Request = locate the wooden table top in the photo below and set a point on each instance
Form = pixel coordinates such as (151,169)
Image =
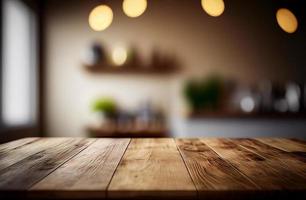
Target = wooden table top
(152,168)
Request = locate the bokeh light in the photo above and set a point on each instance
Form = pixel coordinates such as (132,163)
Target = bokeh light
(286,20)
(213,7)
(119,56)
(247,104)
(100,18)
(134,8)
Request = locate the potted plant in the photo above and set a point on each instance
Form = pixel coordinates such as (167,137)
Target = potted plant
(106,106)
(204,95)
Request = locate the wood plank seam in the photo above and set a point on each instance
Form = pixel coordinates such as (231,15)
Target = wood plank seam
(12,146)
(281,145)
(69,158)
(106,194)
(151,168)
(267,157)
(262,156)
(89,172)
(274,146)
(243,174)
(25,151)
(270,174)
(186,167)
(267,167)
(27,143)
(209,171)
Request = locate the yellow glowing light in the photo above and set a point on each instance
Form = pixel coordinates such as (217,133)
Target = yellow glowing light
(100,17)
(119,56)
(286,20)
(134,8)
(213,7)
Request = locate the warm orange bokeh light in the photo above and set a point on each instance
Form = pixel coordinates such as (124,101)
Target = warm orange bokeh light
(100,17)
(286,20)
(134,8)
(213,7)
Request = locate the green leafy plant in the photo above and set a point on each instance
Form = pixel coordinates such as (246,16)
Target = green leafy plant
(105,105)
(204,94)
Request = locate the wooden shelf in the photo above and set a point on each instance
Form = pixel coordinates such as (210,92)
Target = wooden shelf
(130,69)
(115,132)
(241,115)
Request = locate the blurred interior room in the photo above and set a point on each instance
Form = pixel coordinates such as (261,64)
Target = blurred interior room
(153,99)
(153,68)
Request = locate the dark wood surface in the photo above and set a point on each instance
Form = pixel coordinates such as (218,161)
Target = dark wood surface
(153,168)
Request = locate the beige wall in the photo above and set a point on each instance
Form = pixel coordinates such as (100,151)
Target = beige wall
(245,43)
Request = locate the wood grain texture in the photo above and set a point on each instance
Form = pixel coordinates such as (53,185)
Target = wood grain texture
(210,172)
(5,147)
(289,145)
(23,174)
(277,158)
(265,173)
(10,156)
(87,174)
(165,168)
(151,168)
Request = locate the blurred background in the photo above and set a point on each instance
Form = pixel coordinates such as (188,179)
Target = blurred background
(153,68)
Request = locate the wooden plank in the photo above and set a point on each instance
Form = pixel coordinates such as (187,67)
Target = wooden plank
(210,172)
(7,150)
(295,163)
(151,168)
(289,145)
(23,174)
(268,175)
(87,174)
(10,156)
(16,144)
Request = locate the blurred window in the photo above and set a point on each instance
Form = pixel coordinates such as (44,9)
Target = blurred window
(18,64)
